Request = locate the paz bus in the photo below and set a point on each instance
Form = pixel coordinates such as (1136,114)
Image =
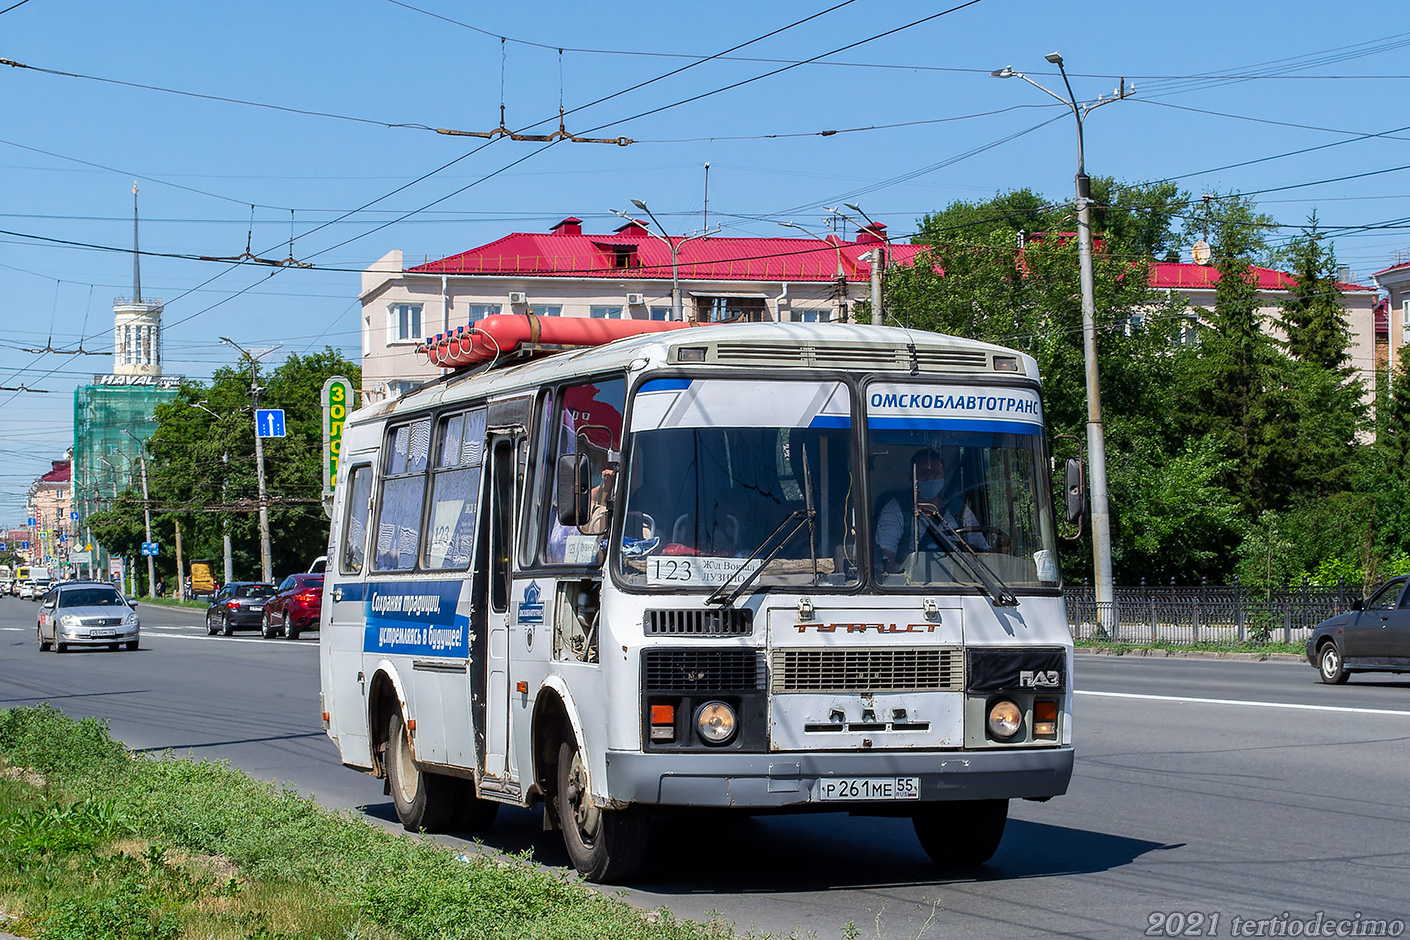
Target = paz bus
(623,569)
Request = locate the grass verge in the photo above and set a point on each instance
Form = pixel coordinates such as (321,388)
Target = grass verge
(1247,646)
(100,844)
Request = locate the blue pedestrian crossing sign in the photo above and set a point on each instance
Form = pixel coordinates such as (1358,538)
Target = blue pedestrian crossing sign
(149,548)
(73,516)
(269,422)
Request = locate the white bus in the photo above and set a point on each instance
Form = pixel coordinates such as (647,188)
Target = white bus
(708,567)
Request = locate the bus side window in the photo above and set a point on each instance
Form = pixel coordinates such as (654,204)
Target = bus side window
(455,490)
(355,528)
(399,510)
(587,419)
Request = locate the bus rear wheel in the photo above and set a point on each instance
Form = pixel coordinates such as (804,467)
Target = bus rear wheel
(422,800)
(962,833)
(605,845)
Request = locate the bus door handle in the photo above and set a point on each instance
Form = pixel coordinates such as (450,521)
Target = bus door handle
(338,592)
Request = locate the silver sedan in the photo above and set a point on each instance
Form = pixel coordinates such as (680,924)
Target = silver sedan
(87,613)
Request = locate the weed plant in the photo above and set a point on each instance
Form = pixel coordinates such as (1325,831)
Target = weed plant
(100,844)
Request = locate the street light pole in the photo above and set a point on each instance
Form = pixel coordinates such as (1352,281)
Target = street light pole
(146,514)
(266,566)
(224,512)
(1096,436)
(674,244)
(841,274)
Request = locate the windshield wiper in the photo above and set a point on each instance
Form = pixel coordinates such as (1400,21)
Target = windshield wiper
(799,517)
(997,590)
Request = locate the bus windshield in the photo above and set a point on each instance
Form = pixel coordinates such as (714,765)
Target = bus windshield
(731,478)
(958,488)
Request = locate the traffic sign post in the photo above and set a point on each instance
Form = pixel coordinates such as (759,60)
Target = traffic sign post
(269,422)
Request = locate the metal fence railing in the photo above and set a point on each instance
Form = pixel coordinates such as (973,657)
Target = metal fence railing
(1217,614)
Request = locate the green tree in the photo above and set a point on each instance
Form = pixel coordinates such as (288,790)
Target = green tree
(1313,317)
(202,473)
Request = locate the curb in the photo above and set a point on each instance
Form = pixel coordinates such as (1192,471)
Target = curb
(1191,654)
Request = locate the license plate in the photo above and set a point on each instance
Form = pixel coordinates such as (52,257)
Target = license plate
(868,788)
(104,632)
(256,608)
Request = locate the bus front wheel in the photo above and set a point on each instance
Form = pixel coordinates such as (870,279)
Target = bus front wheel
(961,833)
(422,800)
(605,845)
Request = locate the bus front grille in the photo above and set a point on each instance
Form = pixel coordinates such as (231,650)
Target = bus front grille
(733,670)
(867,670)
(731,621)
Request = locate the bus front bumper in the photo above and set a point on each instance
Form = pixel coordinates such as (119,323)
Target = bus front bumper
(791,778)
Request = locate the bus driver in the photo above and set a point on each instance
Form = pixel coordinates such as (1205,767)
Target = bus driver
(895,525)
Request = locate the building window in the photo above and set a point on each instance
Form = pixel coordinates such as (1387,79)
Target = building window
(605,313)
(480,311)
(404,323)
(624,256)
(660,313)
(812,315)
(729,309)
(547,310)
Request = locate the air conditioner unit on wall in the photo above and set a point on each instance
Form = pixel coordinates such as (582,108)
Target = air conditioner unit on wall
(636,300)
(518,297)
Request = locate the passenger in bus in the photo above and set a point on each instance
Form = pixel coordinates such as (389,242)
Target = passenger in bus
(895,523)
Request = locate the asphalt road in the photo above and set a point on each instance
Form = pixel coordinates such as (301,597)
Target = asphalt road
(1221,788)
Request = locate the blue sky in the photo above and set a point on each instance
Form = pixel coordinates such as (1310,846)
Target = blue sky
(1243,82)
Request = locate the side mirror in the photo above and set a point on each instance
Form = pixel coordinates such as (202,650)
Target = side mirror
(572,486)
(1075,489)
(1358,604)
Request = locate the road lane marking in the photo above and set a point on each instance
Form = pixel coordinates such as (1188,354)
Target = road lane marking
(225,639)
(1233,701)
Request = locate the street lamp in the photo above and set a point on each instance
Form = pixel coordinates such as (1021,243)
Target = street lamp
(1096,438)
(674,244)
(224,512)
(841,274)
(877,259)
(146,513)
(266,567)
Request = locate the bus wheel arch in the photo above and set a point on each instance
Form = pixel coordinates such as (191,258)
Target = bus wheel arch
(383,698)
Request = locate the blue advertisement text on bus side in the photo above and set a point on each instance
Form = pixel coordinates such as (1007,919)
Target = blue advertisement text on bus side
(416,618)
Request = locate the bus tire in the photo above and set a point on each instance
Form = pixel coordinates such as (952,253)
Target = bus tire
(422,800)
(961,833)
(605,845)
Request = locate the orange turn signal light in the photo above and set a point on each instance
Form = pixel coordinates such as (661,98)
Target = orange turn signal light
(522,688)
(663,714)
(1045,720)
(411,724)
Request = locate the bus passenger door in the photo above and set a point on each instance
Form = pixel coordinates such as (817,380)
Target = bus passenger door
(500,762)
(344,688)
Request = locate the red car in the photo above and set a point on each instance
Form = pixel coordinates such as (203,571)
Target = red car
(295,607)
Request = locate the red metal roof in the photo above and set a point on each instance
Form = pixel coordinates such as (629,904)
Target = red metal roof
(631,253)
(60,474)
(1182,275)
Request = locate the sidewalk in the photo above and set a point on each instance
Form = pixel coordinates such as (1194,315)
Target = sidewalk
(1191,654)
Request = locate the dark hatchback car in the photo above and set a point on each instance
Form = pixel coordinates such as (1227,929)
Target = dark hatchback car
(238,606)
(295,607)
(1371,637)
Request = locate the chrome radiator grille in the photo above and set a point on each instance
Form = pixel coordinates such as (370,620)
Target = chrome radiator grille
(867,670)
(731,621)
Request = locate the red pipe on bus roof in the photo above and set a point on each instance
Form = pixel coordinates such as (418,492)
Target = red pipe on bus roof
(502,333)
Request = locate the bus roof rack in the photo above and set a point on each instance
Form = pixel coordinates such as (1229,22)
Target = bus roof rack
(493,338)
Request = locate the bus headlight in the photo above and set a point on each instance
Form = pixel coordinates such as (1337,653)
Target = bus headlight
(1004,719)
(716,723)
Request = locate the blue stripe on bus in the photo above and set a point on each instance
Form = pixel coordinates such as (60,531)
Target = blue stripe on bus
(663,385)
(831,421)
(954,424)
